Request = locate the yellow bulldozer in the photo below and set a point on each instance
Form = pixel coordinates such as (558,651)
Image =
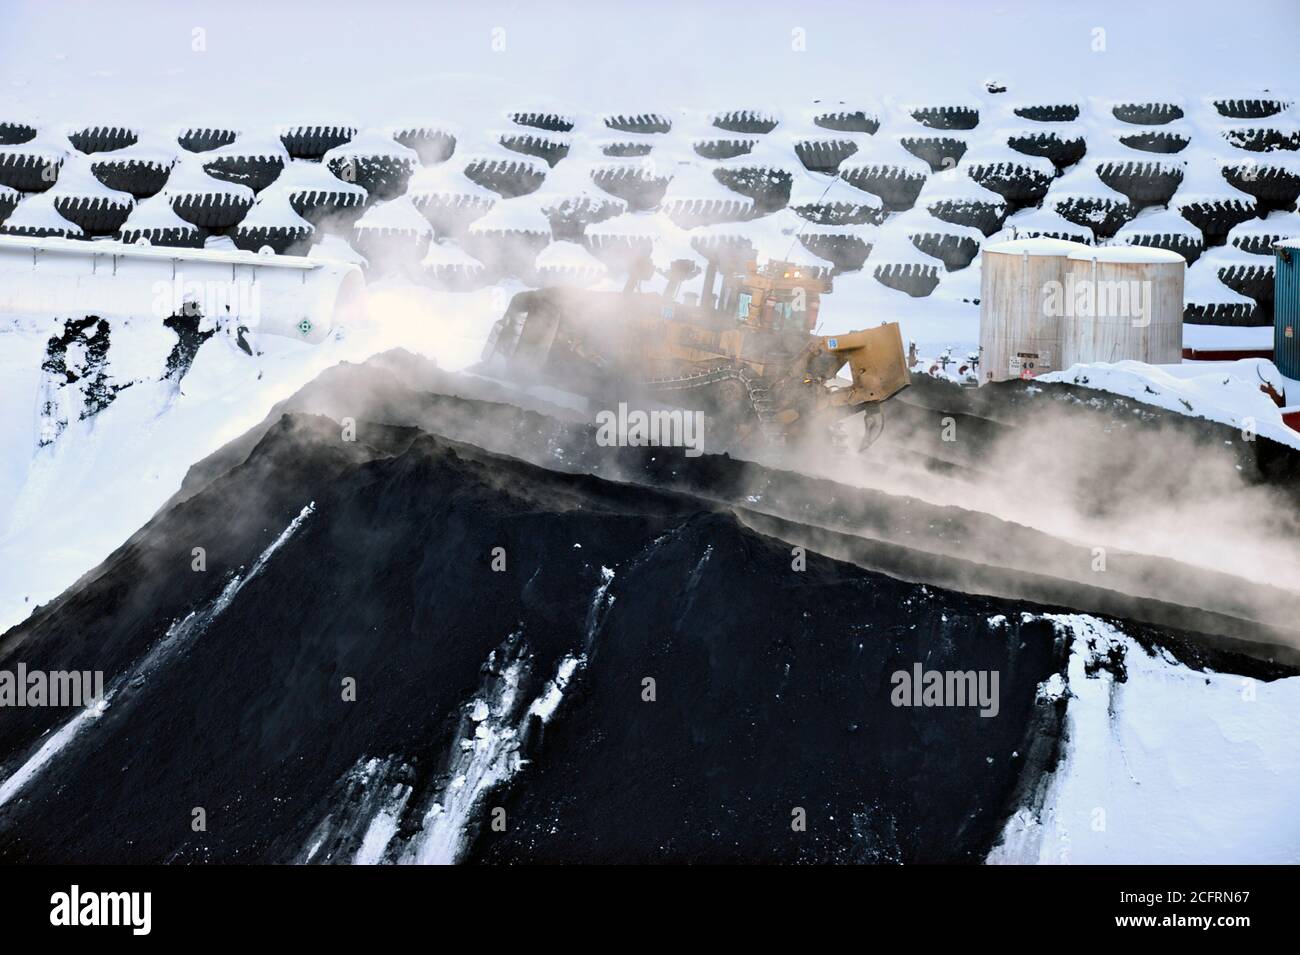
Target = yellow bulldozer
(748,354)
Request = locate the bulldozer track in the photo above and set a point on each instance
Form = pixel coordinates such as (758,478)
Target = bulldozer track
(755,388)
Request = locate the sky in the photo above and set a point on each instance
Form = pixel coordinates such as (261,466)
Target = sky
(137,61)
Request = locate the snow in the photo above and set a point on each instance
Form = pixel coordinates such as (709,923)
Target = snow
(395,215)
(1127,255)
(1040,245)
(1172,766)
(1227,392)
(188,178)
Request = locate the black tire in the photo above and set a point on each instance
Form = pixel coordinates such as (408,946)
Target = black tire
(619,252)
(941,152)
(319,207)
(847,252)
(1216,218)
(1049,112)
(569,216)
(1104,216)
(202,139)
(190,237)
(848,121)
(727,252)
(1263,139)
(1061,151)
(8,201)
(1274,187)
(1253,108)
(955,251)
(985,215)
(103,139)
(637,187)
(313,142)
(823,155)
(215,212)
(1022,186)
(1164,141)
(1260,243)
(285,241)
(1252,281)
(745,121)
(1144,184)
(431,144)
(15,134)
(530,144)
(840,212)
(96,215)
(551,122)
(722,148)
(452,213)
(632,150)
(915,279)
(36,171)
(1147,114)
(255,171)
(896,187)
(639,123)
(1237,314)
(383,177)
(142,178)
(947,117)
(689,213)
(767,186)
(1189,247)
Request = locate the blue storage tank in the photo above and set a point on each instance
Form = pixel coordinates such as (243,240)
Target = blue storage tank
(1286,308)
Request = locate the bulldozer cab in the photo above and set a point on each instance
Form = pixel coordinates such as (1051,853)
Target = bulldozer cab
(778,297)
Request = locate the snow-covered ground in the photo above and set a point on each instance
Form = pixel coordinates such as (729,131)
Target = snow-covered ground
(65,506)
(1225,391)
(1170,765)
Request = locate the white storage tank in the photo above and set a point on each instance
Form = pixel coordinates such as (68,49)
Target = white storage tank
(1020,320)
(1123,302)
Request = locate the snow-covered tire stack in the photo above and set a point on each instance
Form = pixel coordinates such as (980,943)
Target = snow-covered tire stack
(432,144)
(507,176)
(450,268)
(154,222)
(32,166)
(377,163)
(201,200)
(448,199)
(898,187)
(320,197)
(1061,151)
(248,161)
(546,147)
(638,184)
(140,170)
(82,199)
(823,154)
(393,236)
(35,217)
(273,223)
